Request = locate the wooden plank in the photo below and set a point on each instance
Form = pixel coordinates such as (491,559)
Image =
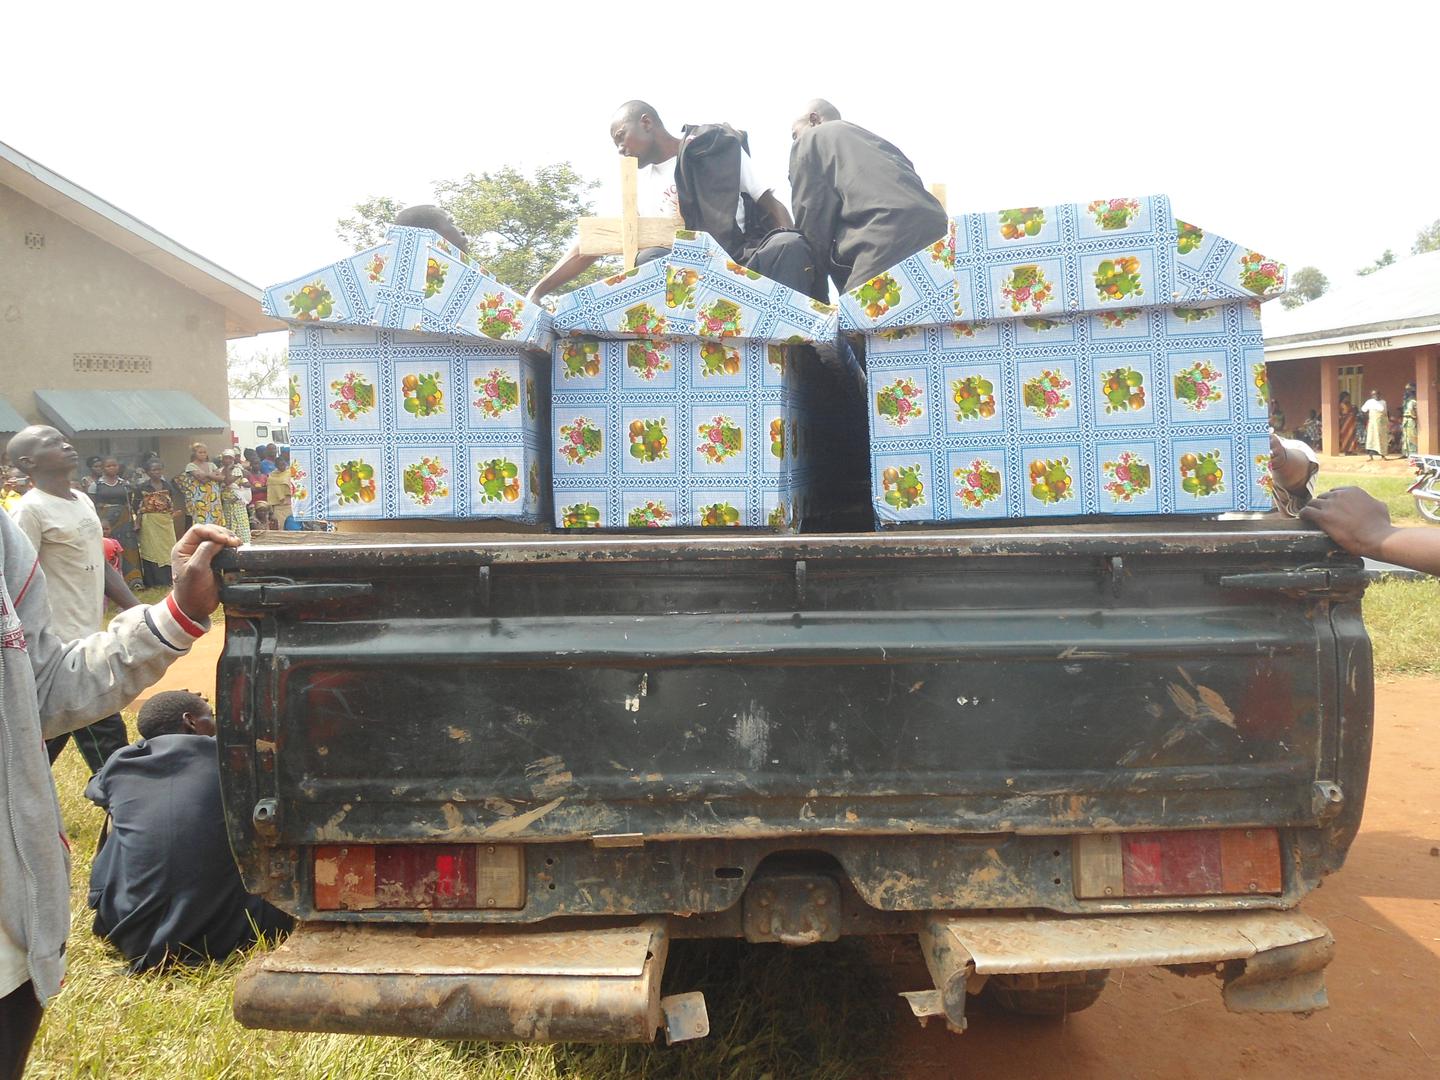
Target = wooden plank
(629,211)
(938,190)
(603,236)
(1099,868)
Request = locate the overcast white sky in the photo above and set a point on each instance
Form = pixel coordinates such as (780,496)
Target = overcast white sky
(245,130)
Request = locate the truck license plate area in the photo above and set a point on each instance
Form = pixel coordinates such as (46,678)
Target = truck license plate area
(1193,862)
(366,877)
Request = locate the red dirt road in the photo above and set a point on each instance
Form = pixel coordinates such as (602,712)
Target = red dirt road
(1384,1015)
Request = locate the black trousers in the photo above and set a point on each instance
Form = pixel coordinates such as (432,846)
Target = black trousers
(96,743)
(19,1021)
(782,255)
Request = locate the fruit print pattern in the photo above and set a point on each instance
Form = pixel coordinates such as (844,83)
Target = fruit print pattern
(648,358)
(580,516)
(580,358)
(424,481)
(1198,386)
(1118,279)
(1193,315)
(1201,474)
(1127,477)
(648,441)
(623,276)
(720,439)
(775,357)
(499,479)
(1026,287)
(296,406)
(777,438)
(1188,238)
(1050,480)
(1260,275)
(1114,213)
(375,270)
(1114,320)
(653,515)
(717,359)
(581,440)
(499,316)
(1044,394)
(354,482)
(435,272)
(742,271)
(354,396)
(498,394)
(974,398)
(680,285)
(530,397)
(899,402)
(311,302)
(1041,326)
(422,394)
(878,295)
(644,320)
(1124,390)
(721,318)
(942,252)
(978,483)
(1262,474)
(1026,221)
(299,489)
(779,517)
(719,515)
(1261,378)
(904,490)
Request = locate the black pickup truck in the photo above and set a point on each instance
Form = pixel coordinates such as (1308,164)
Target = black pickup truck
(494,775)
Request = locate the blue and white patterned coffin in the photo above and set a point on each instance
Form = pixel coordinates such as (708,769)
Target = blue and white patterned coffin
(398,424)
(1095,358)
(1044,261)
(413,281)
(696,290)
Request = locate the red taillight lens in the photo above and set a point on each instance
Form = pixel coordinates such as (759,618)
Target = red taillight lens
(362,877)
(1205,862)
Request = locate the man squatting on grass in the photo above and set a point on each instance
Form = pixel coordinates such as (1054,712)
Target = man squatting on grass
(164,885)
(47,687)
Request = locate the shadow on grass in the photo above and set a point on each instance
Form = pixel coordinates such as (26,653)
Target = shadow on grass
(822,1012)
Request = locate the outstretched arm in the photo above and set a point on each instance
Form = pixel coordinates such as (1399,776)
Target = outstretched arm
(1360,523)
(571,266)
(118,590)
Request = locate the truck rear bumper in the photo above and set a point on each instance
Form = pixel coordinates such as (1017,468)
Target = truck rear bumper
(600,984)
(1269,961)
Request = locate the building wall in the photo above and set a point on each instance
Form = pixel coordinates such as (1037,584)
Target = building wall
(1295,387)
(78,294)
(1298,384)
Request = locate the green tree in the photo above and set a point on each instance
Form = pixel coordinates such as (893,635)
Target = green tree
(518,225)
(1427,239)
(1379,264)
(1306,284)
(263,374)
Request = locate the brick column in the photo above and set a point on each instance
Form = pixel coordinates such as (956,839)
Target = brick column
(1427,396)
(1330,405)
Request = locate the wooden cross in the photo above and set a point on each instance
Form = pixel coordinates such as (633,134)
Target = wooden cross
(627,234)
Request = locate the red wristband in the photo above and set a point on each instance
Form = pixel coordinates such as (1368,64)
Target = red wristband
(189,625)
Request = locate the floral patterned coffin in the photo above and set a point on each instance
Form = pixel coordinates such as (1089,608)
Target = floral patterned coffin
(666,432)
(413,281)
(1095,358)
(697,291)
(398,424)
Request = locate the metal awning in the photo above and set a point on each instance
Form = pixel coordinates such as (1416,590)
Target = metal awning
(97,413)
(10,420)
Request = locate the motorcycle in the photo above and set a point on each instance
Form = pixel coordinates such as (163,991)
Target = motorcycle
(1426,488)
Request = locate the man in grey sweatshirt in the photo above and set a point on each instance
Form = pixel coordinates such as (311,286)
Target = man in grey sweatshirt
(49,686)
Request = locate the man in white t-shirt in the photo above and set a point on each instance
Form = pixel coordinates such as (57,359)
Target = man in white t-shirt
(695,178)
(64,529)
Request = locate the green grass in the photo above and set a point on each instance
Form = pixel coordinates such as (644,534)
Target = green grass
(1391,490)
(1403,618)
(815,1013)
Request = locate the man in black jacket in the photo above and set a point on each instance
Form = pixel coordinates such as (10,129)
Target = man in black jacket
(704,177)
(857,199)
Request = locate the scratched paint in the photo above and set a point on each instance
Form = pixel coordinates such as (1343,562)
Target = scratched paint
(751,734)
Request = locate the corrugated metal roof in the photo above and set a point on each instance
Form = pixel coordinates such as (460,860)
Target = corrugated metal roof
(10,420)
(1404,295)
(81,413)
(239,299)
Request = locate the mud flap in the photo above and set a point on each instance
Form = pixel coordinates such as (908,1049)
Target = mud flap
(584,985)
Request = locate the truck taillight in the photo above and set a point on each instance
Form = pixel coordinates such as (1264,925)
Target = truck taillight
(362,877)
(1203,862)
